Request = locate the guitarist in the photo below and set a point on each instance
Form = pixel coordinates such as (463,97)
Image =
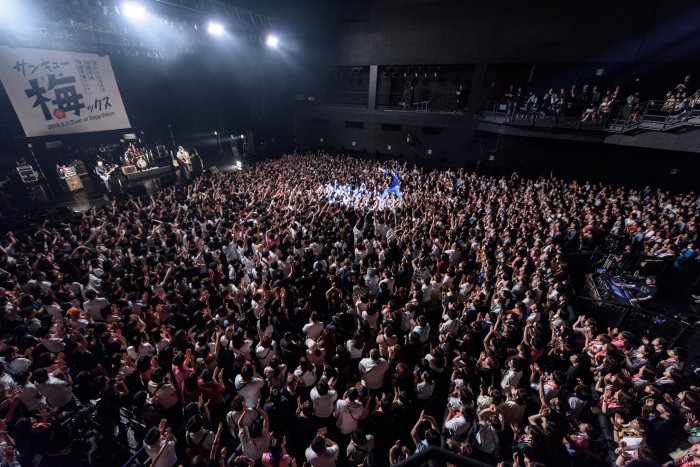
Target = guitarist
(104,173)
(185,160)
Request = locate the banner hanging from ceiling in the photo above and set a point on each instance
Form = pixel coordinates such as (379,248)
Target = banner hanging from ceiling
(55,92)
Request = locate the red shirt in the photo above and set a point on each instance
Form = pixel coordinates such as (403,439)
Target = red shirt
(211,391)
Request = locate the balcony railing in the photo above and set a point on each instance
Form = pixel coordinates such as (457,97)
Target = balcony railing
(652,115)
(425,101)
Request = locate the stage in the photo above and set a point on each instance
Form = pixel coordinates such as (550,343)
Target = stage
(44,197)
(152,172)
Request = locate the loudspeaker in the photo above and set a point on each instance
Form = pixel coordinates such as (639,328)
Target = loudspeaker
(161,152)
(27,173)
(129,169)
(74,183)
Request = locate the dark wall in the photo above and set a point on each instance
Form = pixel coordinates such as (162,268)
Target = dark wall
(474,31)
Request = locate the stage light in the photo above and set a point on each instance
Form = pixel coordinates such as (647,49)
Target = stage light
(133,11)
(216,29)
(242,136)
(216,133)
(272,41)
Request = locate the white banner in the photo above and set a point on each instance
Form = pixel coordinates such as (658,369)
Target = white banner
(56,92)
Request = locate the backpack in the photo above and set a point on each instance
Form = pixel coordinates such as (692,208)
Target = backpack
(197,449)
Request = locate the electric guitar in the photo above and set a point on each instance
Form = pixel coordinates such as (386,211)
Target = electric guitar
(175,164)
(184,158)
(108,174)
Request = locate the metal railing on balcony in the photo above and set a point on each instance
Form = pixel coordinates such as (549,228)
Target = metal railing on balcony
(505,112)
(345,98)
(425,101)
(652,115)
(658,114)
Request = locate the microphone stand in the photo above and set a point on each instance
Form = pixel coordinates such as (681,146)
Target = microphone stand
(201,164)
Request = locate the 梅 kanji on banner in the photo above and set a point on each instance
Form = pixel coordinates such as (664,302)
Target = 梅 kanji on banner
(56,92)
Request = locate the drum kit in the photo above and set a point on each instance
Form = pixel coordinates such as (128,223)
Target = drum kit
(140,157)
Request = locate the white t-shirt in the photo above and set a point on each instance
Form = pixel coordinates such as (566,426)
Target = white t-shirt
(265,354)
(57,391)
(313,330)
(424,391)
(167,459)
(53,344)
(373,372)
(348,415)
(458,425)
(31,397)
(249,390)
(326,459)
(323,405)
(145,349)
(511,380)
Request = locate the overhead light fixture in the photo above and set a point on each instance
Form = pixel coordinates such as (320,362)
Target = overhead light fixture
(272,41)
(216,29)
(133,10)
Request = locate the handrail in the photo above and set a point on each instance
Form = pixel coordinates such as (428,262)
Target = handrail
(652,111)
(133,458)
(438,100)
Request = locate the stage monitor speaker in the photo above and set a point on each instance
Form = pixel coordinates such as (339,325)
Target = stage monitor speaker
(129,169)
(214,170)
(74,183)
(37,193)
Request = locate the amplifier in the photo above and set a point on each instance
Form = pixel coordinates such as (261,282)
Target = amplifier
(161,152)
(27,173)
(129,169)
(74,183)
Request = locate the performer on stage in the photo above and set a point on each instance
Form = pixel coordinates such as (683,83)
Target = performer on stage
(104,174)
(393,185)
(185,160)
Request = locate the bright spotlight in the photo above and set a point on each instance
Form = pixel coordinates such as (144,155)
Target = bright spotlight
(242,136)
(133,10)
(216,29)
(272,41)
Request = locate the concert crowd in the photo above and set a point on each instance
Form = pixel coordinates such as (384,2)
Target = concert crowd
(252,318)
